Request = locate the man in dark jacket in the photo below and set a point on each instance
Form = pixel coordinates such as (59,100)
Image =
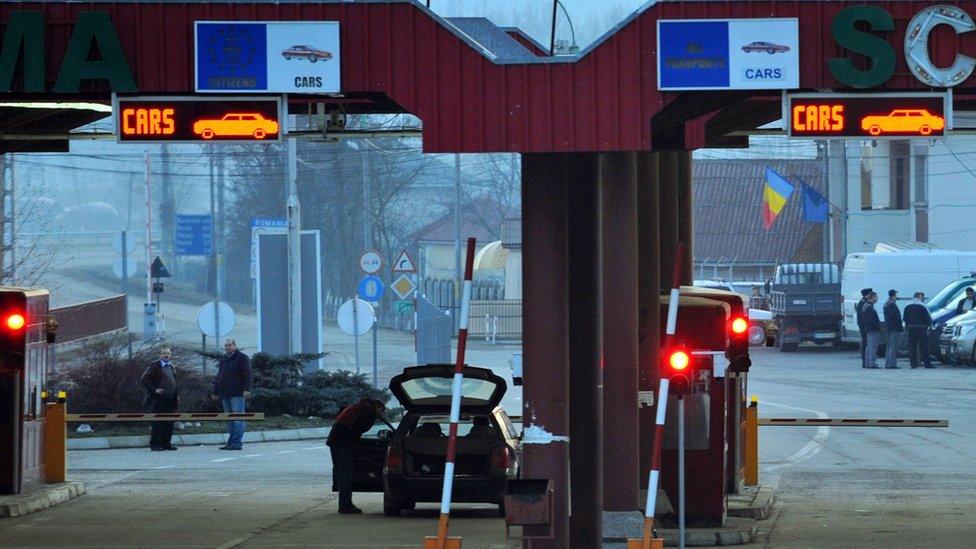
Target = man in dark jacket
(231,386)
(162,397)
(967,303)
(872,328)
(917,322)
(893,325)
(346,431)
(860,324)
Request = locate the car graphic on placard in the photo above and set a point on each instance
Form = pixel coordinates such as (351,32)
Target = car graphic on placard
(918,121)
(236,124)
(767,47)
(306,52)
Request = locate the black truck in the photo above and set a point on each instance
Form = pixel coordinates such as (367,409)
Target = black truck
(805,301)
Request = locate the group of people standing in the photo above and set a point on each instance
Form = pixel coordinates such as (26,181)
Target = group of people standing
(914,325)
(232,386)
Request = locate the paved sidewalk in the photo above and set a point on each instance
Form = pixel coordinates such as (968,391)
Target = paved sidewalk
(43,497)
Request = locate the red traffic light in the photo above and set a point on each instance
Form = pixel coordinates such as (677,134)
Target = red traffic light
(15,321)
(739,325)
(679,360)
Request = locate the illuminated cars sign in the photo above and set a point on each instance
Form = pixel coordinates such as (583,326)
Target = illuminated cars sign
(866,115)
(197,119)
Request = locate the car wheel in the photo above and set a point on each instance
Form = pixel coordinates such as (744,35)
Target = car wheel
(313,58)
(925,129)
(287,57)
(390,506)
(757,336)
(770,51)
(875,130)
(259,133)
(207,134)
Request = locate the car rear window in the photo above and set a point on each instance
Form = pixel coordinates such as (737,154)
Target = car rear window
(437,390)
(441,425)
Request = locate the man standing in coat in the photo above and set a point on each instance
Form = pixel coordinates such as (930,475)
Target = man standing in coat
(872,328)
(346,431)
(231,386)
(162,397)
(894,328)
(860,324)
(967,303)
(917,322)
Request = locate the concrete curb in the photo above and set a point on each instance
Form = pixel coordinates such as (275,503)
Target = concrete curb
(105,443)
(618,527)
(40,499)
(753,503)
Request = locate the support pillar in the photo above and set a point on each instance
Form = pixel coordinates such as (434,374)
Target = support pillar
(648,300)
(621,460)
(585,351)
(668,209)
(546,332)
(686,226)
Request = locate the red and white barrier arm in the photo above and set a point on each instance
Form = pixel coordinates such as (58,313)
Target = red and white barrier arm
(442,525)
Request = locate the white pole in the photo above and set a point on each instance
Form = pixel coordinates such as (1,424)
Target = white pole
(294,253)
(148,232)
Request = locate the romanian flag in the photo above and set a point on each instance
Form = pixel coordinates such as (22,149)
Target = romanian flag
(775,196)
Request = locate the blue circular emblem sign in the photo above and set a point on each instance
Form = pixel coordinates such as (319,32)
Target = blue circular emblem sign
(371,288)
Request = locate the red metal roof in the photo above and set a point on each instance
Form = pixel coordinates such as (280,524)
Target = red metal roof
(469,99)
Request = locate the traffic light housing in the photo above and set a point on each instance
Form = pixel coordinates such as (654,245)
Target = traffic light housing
(14,324)
(737,351)
(677,368)
(13,329)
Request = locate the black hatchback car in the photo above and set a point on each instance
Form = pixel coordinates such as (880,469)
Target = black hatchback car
(407,464)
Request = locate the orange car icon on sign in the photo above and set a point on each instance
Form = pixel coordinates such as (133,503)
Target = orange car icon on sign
(902,121)
(236,124)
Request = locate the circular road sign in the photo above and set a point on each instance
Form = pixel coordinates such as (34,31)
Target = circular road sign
(371,288)
(371,262)
(130,243)
(356,322)
(130,265)
(207,319)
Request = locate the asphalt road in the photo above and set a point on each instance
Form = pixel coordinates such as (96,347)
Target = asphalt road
(836,487)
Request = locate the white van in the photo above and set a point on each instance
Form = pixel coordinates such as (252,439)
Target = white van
(908,271)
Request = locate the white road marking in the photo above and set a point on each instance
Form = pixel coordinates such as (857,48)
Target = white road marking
(254,455)
(221,460)
(811,448)
(164,467)
(314,448)
(283,452)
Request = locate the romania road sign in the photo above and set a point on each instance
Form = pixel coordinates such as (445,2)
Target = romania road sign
(403,306)
(403,286)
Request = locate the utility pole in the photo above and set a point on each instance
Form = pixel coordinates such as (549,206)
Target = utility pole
(149,323)
(294,253)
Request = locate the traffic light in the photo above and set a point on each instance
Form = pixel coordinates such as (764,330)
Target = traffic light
(676,366)
(13,329)
(13,340)
(738,348)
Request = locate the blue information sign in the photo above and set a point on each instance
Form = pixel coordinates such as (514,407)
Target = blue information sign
(371,288)
(193,234)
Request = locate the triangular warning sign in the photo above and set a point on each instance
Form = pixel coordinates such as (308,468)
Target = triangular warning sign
(404,264)
(158,270)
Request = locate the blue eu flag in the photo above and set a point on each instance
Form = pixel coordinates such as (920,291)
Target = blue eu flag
(815,205)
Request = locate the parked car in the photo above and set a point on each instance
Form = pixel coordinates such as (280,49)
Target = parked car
(306,52)
(806,304)
(957,338)
(236,124)
(767,47)
(942,307)
(407,464)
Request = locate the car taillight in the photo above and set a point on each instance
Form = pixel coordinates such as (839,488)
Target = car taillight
(500,458)
(394,458)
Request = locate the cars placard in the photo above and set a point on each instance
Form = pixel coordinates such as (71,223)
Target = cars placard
(868,115)
(194,119)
